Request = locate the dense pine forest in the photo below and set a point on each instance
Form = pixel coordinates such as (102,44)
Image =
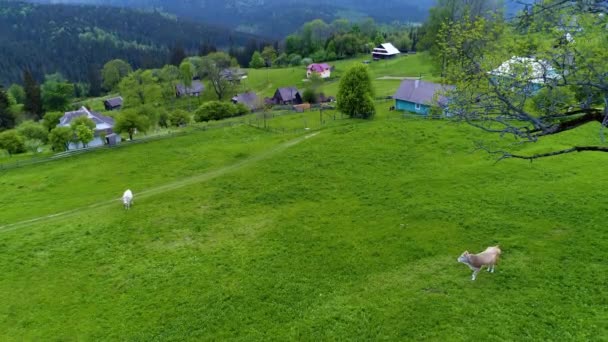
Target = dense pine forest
(74,39)
(275,18)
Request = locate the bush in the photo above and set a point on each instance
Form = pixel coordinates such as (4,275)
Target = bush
(241,109)
(60,138)
(179,118)
(214,110)
(31,130)
(12,142)
(309,96)
(295,60)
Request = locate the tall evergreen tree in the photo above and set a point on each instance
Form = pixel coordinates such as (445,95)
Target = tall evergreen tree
(33,99)
(7,120)
(94,80)
(177,55)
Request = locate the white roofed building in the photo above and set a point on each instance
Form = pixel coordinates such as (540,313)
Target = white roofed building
(385,51)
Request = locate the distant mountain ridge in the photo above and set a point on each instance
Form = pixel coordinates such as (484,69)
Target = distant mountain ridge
(275,18)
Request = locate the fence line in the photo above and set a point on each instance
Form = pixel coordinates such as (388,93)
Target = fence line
(124,143)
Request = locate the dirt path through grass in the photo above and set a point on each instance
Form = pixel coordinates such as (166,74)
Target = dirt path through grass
(166,187)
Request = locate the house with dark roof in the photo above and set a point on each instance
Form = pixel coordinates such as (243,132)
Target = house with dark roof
(418,96)
(287,96)
(249,99)
(103,131)
(196,89)
(114,103)
(233,75)
(323,70)
(385,51)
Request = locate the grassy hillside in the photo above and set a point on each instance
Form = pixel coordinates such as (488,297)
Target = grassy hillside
(266,81)
(336,236)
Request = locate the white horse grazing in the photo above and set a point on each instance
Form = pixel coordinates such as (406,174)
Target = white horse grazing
(127,199)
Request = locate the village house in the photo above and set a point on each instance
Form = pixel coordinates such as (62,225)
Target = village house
(385,51)
(525,73)
(418,96)
(233,75)
(323,70)
(249,99)
(286,96)
(103,131)
(114,103)
(195,89)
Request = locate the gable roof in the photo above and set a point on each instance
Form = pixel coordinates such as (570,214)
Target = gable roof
(315,67)
(387,49)
(421,92)
(250,99)
(288,93)
(233,74)
(113,102)
(529,69)
(101,121)
(196,87)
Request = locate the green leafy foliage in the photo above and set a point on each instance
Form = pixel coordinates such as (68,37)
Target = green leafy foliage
(12,142)
(60,138)
(180,118)
(130,121)
(31,130)
(113,72)
(140,88)
(84,134)
(257,61)
(56,93)
(217,110)
(51,120)
(82,121)
(355,94)
(17,92)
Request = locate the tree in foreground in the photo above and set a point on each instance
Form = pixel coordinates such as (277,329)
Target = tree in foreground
(130,122)
(355,93)
(568,62)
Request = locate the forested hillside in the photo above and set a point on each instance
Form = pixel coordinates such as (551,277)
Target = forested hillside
(73,39)
(276,18)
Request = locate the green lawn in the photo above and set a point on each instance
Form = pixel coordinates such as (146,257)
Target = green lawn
(351,234)
(266,81)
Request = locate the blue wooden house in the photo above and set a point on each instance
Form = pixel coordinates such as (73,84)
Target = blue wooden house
(418,96)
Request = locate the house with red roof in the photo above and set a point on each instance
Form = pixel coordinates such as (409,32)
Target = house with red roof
(323,70)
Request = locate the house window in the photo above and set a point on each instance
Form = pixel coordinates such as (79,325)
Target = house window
(417,106)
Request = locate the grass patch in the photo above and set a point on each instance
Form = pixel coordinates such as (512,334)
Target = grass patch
(351,234)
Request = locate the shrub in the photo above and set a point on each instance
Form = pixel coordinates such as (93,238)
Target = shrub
(179,118)
(12,142)
(214,110)
(31,130)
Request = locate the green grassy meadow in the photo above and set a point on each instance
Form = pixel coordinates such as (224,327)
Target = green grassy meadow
(350,234)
